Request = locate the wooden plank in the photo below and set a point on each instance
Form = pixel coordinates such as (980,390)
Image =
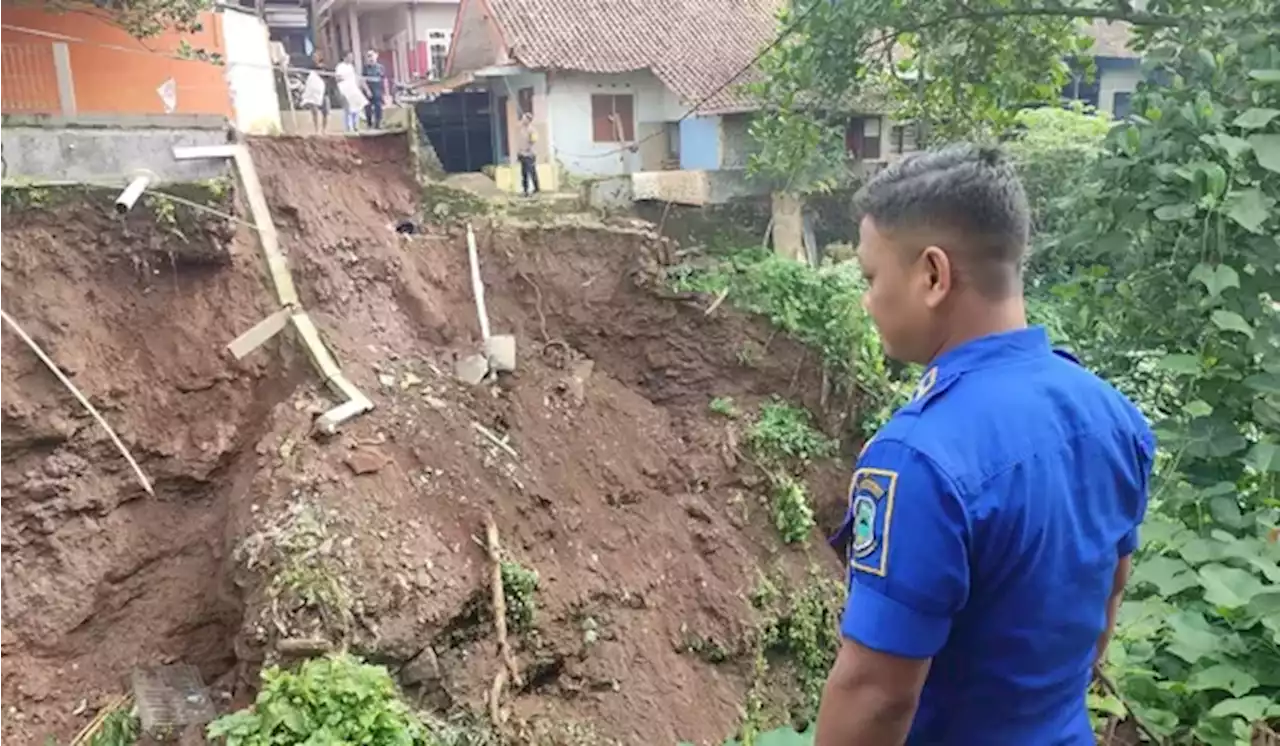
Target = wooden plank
(262,331)
(190,152)
(276,263)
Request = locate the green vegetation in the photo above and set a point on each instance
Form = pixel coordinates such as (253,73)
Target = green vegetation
(337,699)
(1157,261)
(120,728)
(724,406)
(520,584)
(819,307)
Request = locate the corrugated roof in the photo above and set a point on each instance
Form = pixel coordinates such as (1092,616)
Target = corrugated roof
(692,46)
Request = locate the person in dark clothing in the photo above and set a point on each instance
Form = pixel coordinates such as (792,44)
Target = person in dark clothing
(375,76)
(525,153)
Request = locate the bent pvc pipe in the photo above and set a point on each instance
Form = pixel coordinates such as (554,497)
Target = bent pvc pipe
(131,193)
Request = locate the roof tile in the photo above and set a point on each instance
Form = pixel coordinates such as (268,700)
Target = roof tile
(692,46)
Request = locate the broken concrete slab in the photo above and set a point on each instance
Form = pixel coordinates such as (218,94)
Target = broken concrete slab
(472,369)
(501,352)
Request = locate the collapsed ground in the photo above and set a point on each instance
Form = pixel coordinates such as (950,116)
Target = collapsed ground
(614,481)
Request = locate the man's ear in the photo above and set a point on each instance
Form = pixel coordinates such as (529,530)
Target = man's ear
(936,266)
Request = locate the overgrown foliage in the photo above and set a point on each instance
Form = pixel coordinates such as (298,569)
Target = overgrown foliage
(962,70)
(1176,265)
(817,306)
(336,699)
(1158,262)
(520,585)
(141,18)
(120,728)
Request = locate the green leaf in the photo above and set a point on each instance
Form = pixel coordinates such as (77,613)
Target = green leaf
(1266,76)
(1197,408)
(1249,208)
(1250,708)
(1265,383)
(1188,365)
(1229,587)
(1266,148)
(1254,119)
(1170,576)
(1180,211)
(1224,676)
(1216,279)
(1264,457)
(1232,145)
(1230,321)
(1191,638)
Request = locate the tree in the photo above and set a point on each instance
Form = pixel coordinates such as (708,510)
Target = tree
(964,67)
(141,18)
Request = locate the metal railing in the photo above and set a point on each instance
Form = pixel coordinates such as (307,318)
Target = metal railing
(35,78)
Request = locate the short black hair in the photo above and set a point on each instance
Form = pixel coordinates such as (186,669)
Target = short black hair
(967,194)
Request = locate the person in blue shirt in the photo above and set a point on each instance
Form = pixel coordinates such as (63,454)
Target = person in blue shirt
(991,520)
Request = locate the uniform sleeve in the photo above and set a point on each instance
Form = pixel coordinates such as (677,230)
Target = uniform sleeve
(1146,462)
(908,553)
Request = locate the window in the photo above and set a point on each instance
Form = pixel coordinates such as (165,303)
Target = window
(524,101)
(673,141)
(504,131)
(1120,107)
(897,139)
(862,138)
(438,49)
(613,118)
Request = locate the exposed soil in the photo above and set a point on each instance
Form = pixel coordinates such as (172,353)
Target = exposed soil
(624,493)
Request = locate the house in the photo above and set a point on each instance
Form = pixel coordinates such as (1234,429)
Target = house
(411,37)
(1117,71)
(82,66)
(609,83)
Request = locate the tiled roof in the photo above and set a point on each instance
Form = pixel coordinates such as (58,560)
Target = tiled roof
(1110,39)
(692,46)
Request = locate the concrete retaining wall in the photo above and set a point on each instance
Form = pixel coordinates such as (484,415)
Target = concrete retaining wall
(108,149)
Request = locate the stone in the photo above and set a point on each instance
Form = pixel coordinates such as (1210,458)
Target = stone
(365,460)
(421,669)
(472,369)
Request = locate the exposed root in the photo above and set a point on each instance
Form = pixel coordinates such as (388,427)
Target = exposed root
(509,668)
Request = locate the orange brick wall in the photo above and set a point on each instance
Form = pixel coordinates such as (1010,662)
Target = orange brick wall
(106,80)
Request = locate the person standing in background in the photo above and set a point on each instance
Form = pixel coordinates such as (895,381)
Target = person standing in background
(349,88)
(375,77)
(315,95)
(527,157)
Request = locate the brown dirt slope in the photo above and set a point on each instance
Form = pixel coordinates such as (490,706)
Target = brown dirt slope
(612,482)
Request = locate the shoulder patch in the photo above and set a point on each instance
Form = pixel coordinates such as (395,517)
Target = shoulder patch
(870,511)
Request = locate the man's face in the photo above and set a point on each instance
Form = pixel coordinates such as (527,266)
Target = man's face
(899,295)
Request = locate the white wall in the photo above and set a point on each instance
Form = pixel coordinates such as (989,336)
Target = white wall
(569,114)
(1111,82)
(435,17)
(249,74)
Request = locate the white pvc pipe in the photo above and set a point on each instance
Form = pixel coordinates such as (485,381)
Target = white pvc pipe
(131,193)
(477,285)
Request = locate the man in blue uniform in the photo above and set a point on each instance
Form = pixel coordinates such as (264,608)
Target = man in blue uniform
(991,520)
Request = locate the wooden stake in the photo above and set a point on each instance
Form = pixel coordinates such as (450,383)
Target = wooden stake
(84,401)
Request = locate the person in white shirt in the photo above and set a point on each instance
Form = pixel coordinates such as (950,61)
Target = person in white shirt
(315,96)
(350,88)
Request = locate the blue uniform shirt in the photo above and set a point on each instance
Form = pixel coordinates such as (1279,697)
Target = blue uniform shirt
(985,523)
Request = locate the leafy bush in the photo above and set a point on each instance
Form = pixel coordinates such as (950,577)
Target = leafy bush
(783,434)
(820,307)
(332,700)
(792,514)
(520,585)
(1172,298)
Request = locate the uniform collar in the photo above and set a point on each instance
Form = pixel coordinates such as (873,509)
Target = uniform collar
(984,351)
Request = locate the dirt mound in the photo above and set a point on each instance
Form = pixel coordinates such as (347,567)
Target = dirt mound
(597,458)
